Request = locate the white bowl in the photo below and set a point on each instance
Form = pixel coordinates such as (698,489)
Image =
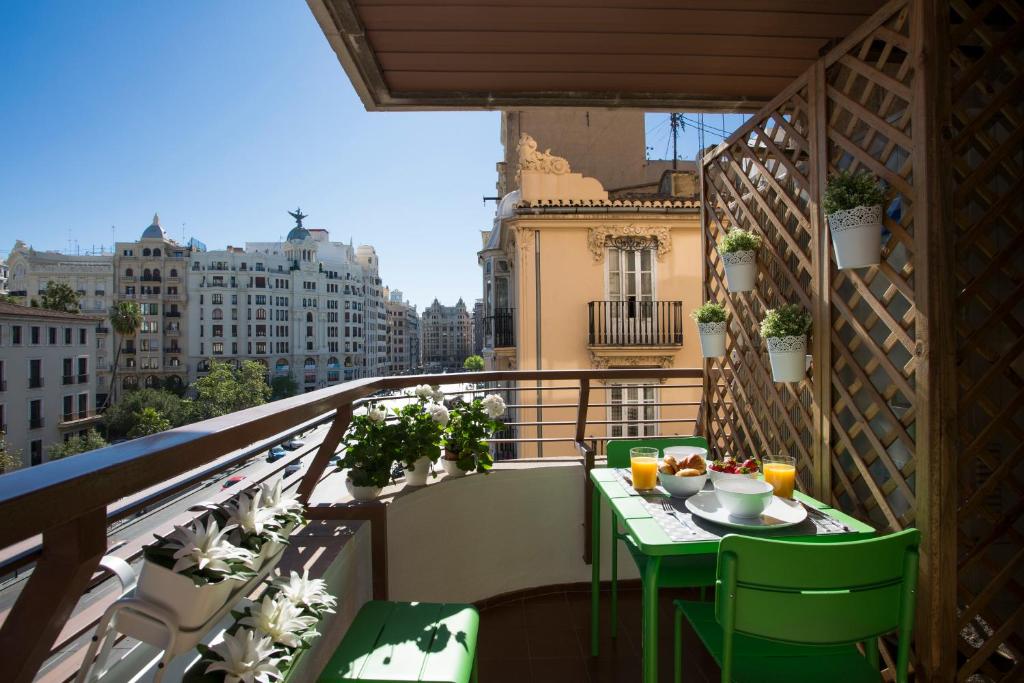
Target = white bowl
(743,497)
(680,452)
(681,487)
(725,476)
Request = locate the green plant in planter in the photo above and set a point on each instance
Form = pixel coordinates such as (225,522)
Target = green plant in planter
(788,320)
(848,190)
(371,446)
(739,239)
(710,312)
(469,427)
(202,552)
(420,430)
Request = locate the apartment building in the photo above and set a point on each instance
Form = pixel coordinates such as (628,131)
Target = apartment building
(478,327)
(47,385)
(403,348)
(447,336)
(4,276)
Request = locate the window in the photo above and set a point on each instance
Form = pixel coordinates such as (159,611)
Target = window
(67,335)
(633,408)
(35,334)
(218,330)
(218,348)
(51,334)
(217,299)
(217,314)
(35,373)
(36,452)
(83,336)
(128,272)
(15,334)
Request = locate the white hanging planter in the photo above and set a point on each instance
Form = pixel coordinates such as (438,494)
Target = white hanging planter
(740,270)
(712,339)
(857,236)
(192,605)
(362,494)
(788,356)
(452,469)
(417,476)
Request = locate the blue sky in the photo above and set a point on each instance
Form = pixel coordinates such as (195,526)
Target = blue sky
(223,116)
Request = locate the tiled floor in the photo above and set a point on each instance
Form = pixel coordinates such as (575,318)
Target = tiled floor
(546,639)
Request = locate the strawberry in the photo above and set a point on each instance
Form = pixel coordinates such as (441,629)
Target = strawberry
(749,465)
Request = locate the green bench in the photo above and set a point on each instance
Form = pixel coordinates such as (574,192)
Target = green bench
(389,642)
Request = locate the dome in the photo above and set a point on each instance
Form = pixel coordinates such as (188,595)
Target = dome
(154,230)
(298,233)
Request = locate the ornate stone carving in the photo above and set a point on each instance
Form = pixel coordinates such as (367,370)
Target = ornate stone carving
(524,241)
(603,362)
(530,159)
(629,237)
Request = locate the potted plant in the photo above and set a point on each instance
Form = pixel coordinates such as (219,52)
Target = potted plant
(421,426)
(711,322)
(370,447)
(192,572)
(785,331)
(738,250)
(853,205)
(470,426)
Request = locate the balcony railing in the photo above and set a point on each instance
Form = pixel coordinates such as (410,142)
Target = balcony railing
(83,378)
(3,385)
(35,382)
(35,423)
(77,416)
(102,329)
(636,323)
(502,327)
(67,379)
(172,314)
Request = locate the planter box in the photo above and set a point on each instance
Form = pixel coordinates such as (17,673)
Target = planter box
(857,236)
(190,604)
(740,270)
(788,356)
(712,339)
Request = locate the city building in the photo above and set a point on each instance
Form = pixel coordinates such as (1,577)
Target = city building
(447,334)
(92,278)
(47,384)
(403,334)
(306,307)
(478,326)
(151,272)
(607,285)
(4,275)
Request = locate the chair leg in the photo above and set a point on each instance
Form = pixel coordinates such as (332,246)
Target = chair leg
(677,645)
(871,652)
(615,575)
(476,671)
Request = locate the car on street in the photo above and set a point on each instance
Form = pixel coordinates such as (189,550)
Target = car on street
(232,480)
(293,444)
(291,468)
(276,453)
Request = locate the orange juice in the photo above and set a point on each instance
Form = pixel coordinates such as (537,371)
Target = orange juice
(782,477)
(645,472)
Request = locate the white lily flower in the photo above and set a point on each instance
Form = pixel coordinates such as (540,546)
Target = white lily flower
(277,501)
(376,414)
(306,592)
(438,413)
(494,405)
(246,658)
(280,619)
(248,513)
(205,548)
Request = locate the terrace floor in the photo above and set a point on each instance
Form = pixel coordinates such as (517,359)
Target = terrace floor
(545,638)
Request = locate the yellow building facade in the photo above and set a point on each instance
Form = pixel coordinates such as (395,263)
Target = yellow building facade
(577,276)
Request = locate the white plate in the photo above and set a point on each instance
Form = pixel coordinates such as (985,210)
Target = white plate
(780,512)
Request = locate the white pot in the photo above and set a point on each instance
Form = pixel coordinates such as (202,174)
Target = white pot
(417,476)
(857,236)
(740,270)
(192,605)
(452,469)
(788,356)
(271,551)
(712,339)
(362,494)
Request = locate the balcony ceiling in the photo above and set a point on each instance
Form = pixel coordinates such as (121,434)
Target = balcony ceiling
(653,54)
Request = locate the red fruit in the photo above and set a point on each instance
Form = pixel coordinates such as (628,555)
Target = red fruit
(750,465)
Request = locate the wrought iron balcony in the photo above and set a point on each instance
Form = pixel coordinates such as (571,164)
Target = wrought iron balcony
(35,382)
(502,327)
(636,323)
(35,423)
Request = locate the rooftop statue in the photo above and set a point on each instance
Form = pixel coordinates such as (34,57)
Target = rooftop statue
(298,216)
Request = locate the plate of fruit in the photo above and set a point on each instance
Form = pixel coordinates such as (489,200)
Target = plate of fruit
(729,467)
(683,476)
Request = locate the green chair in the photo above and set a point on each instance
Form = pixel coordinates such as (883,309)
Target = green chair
(787,611)
(676,572)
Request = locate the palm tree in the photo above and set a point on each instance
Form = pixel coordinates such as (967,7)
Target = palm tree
(126,320)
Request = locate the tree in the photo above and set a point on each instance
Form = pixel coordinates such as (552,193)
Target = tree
(226,389)
(473,364)
(9,299)
(120,418)
(77,444)
(59,297)
(126,319)
(10,458)
(147,422)
(283,386)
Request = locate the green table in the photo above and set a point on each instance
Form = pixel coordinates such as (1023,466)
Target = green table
(652,541)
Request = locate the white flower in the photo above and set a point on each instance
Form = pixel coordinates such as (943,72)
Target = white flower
(245,659)
(280,504)
(249,514)
(280,619)
(438,413)
(437,394)
(376,414)
(494,405)
(306,592)
(424,391)
(205,548)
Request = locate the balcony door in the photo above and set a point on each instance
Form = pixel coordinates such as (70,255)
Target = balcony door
(631,311)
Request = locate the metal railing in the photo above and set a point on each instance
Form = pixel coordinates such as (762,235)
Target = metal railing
(68,504)
(635,323)
(35,423)
(35,382)
(502,327)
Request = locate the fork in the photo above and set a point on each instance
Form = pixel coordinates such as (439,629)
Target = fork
(667,507)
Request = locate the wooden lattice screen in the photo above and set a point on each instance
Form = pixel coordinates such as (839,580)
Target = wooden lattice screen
(867,425)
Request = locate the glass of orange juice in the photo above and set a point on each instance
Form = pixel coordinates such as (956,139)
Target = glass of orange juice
(780,472)
(643,461)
